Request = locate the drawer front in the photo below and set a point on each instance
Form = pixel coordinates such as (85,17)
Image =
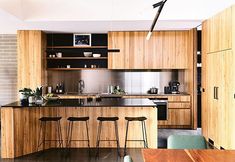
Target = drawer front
(179,105)
(179,98)
(177,117)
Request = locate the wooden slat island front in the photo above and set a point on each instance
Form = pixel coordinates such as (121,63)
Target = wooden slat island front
(20,125)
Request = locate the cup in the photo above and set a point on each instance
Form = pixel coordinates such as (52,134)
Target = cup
(68,66)
(49,89)
(59,54)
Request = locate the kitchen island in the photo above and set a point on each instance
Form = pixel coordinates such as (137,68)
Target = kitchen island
(20,123)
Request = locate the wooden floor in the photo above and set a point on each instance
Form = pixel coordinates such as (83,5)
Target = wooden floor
(77,155)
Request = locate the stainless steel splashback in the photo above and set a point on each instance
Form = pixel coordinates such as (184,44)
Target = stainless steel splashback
(98,80)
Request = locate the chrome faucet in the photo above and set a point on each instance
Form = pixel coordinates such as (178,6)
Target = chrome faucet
(81,86)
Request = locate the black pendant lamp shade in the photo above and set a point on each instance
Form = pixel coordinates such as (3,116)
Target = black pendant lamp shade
(160,5)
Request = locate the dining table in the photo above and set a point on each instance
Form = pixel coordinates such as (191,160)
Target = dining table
(188,155)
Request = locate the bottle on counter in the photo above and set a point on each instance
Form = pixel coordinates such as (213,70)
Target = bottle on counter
(57,88)
(60,88)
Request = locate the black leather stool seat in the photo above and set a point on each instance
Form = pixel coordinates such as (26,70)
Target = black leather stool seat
(107,118)
(50,118)
(136,118)
(78,118)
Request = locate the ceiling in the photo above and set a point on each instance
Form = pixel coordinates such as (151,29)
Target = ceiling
(104,15)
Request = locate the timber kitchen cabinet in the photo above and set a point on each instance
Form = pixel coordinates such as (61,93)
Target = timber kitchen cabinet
(31,47)
(218,78)
(219,31)
(164,50)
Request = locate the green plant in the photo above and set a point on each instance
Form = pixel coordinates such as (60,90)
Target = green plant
(27,92)
(38,91)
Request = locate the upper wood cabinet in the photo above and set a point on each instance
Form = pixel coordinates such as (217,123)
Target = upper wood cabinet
(164,50)
(219,31)
(31,60)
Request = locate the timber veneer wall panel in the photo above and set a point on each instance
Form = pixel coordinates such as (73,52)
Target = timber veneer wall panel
(31,59)
(218,54)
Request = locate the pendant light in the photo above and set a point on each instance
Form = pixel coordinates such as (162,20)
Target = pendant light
(160,5)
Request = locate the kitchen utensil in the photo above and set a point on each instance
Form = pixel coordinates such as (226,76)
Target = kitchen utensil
(87,54)
(59,54)
(96,55)
(153,90)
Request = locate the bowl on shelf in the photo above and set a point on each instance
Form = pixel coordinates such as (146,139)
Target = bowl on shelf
(96,55)
(87,54)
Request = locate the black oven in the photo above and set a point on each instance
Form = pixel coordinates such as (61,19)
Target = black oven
(162,107)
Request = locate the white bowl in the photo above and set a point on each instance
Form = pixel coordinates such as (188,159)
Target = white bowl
(96,55)
(87,54)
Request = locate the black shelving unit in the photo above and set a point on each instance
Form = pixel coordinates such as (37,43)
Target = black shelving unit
(73,55)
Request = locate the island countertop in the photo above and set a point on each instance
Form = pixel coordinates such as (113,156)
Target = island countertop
(103,102)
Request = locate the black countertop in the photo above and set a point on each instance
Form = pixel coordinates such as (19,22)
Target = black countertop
(104,102)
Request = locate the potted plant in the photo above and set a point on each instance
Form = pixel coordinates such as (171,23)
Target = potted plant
(38,95)
(24,94)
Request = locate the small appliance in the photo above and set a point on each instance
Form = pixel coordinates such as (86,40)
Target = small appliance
(173,88)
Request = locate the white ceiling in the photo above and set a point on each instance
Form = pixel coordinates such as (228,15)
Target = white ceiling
(104,15)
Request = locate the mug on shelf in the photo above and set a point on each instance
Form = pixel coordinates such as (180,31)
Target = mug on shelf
(59,54)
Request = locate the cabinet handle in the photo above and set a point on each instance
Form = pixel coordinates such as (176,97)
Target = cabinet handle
(216,96)
(214,92)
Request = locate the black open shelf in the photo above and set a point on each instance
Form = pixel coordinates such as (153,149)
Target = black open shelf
(73,55)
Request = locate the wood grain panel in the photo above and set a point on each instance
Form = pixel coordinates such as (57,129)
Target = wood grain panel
(165,50)
(169,56)
(181,49)
(219,32)
(7,133)
(179,105)
(20,127)
(31,59)
(227,139)
(121,41)
(153,51)
(204,94)
(177,117)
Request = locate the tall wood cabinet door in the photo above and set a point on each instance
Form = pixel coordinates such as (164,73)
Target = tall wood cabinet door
(181,49)
(169,56)
(229,109)
(214,80)
(204,110)
(137,50)
(31,59)
(153,56)
(220,31)
(118,40)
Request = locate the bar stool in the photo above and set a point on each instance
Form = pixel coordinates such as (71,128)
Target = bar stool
(70,130)
(142,120)
(107,119)
(42,131)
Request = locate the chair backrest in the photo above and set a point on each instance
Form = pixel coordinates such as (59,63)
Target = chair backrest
(127,158)
(186,142)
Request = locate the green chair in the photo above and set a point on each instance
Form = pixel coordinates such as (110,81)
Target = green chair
(127,158)
(186,142)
